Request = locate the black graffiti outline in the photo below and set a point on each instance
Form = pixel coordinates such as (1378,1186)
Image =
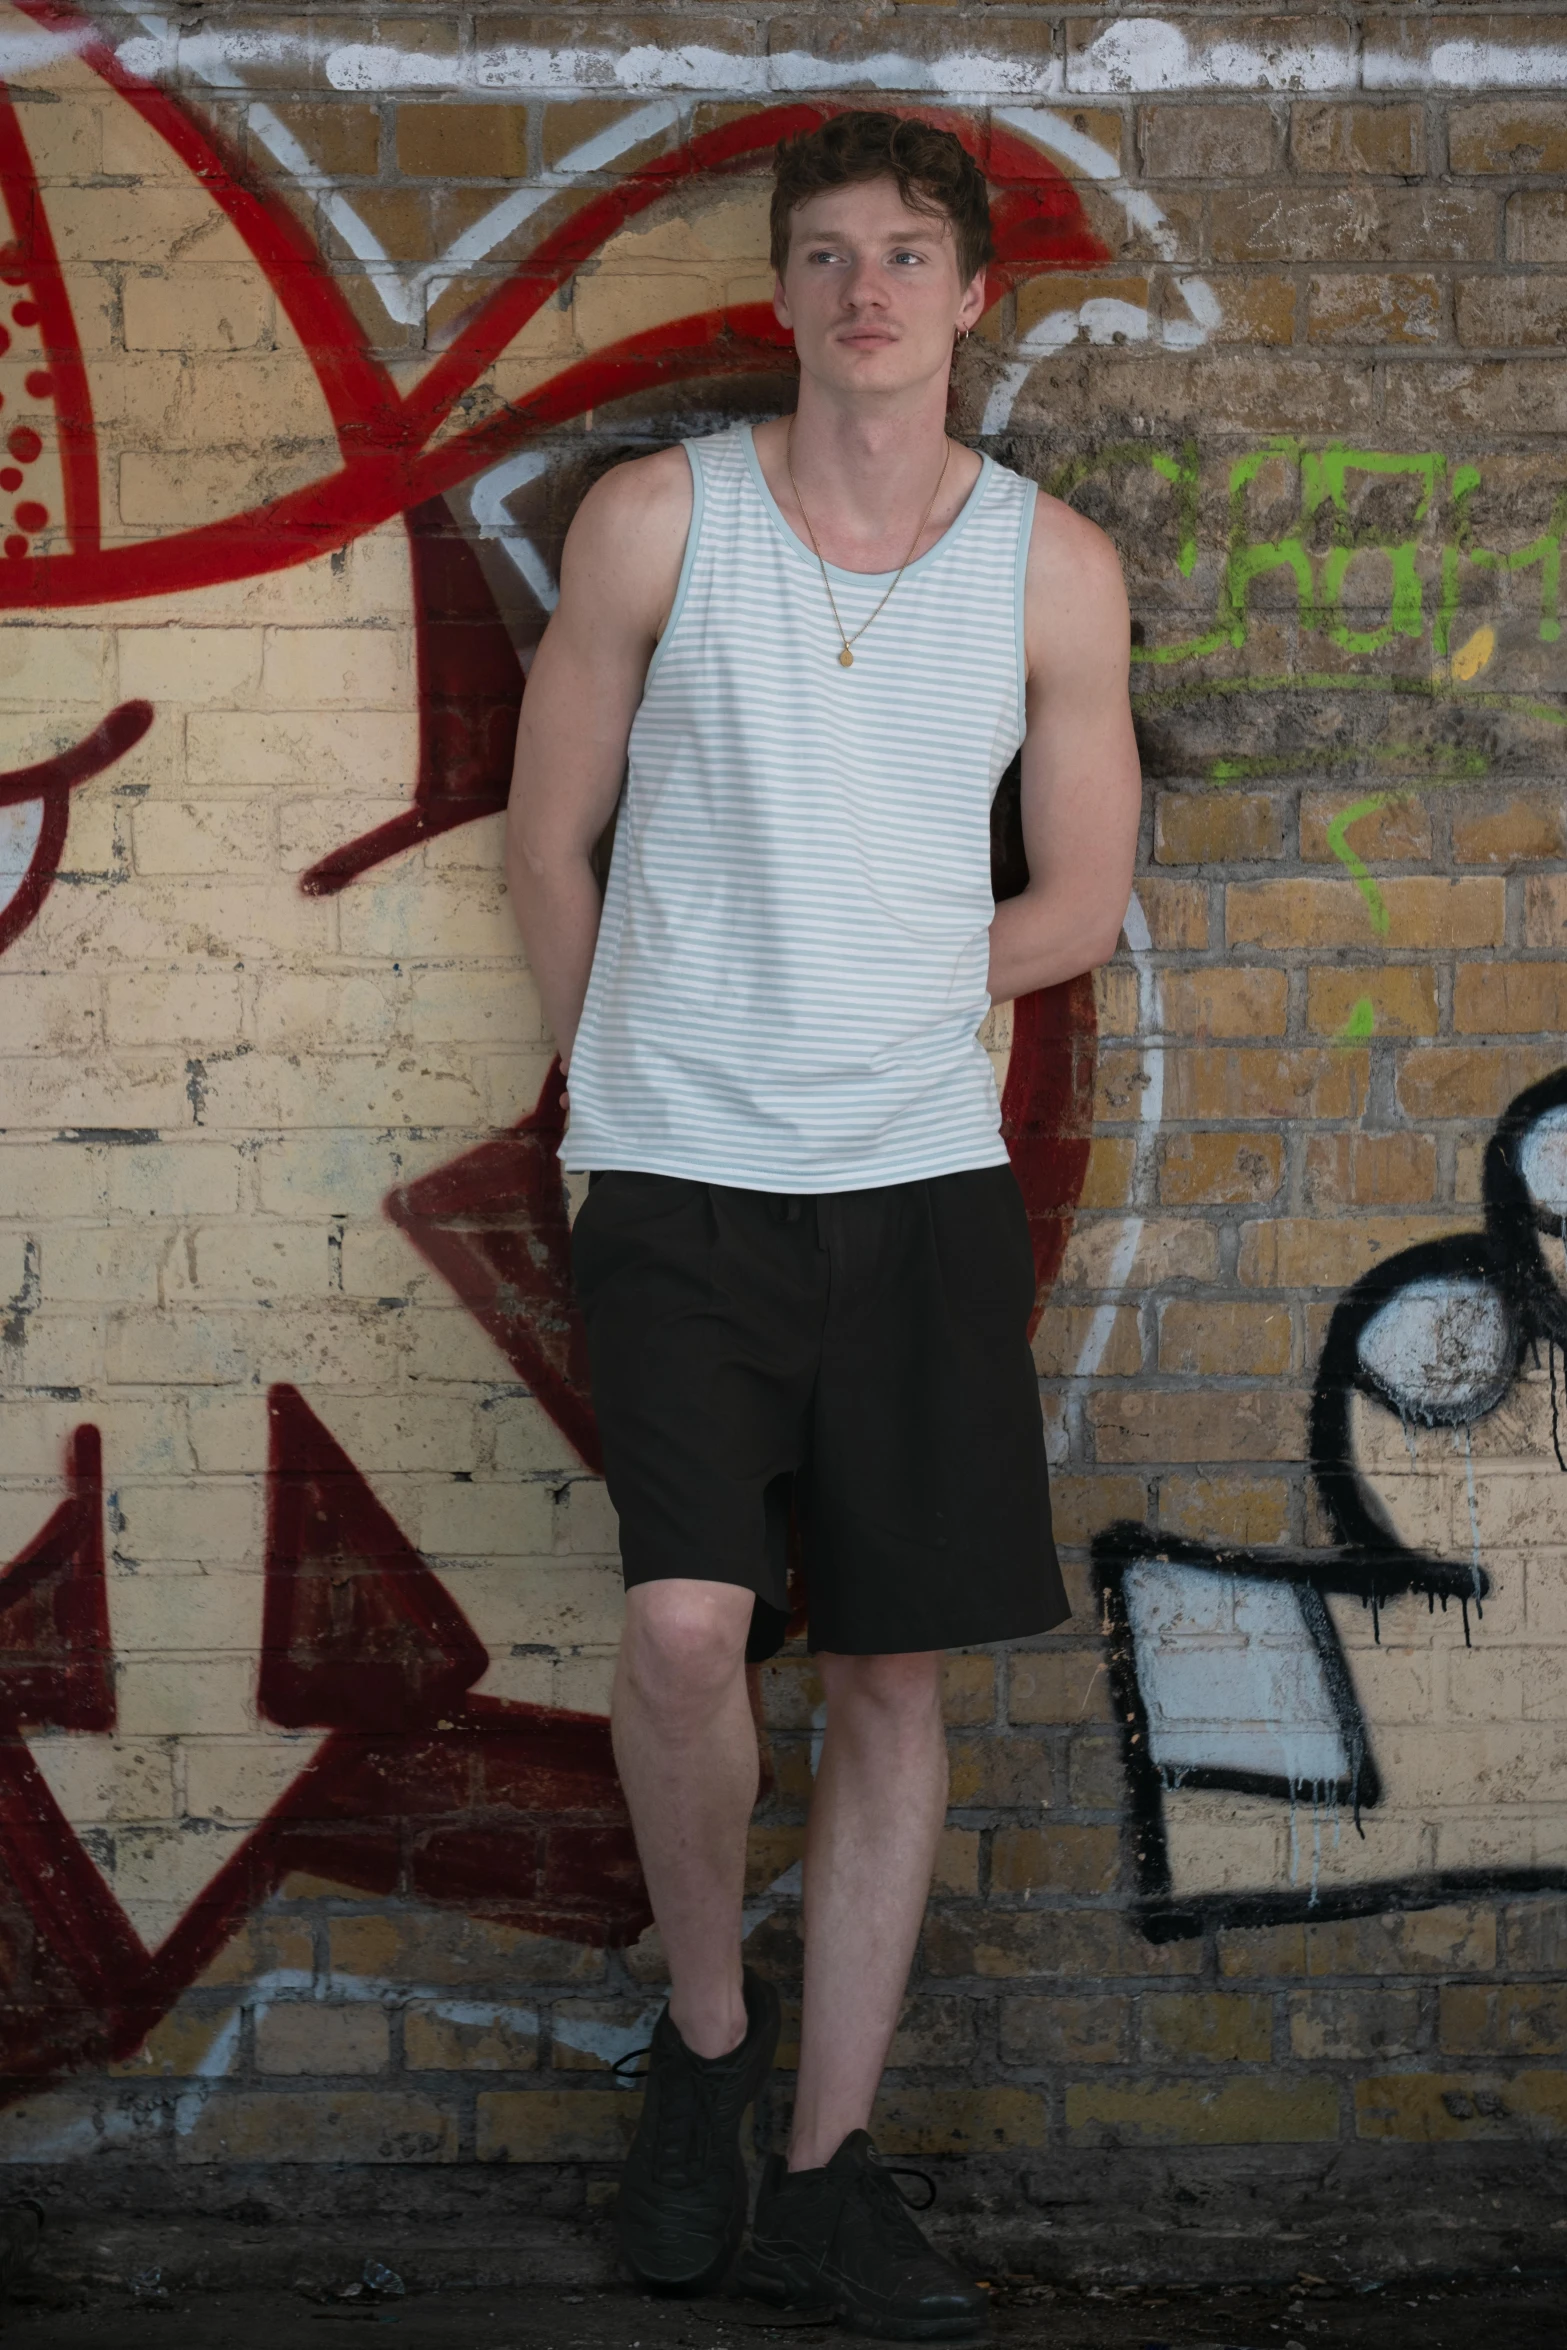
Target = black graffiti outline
(1369,1563)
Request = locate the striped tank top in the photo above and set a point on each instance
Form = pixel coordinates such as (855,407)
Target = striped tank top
(791,965)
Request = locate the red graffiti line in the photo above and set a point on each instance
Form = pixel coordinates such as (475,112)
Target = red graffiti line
(391,460)
(31,260)
(421,1790)
(52,781)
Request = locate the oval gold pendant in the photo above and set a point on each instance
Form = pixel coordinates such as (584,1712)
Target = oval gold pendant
(846,659)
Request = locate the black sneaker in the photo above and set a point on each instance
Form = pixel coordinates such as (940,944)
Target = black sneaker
(683,2191)
(844,2239)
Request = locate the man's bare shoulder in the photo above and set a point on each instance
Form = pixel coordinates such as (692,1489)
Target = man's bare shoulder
(1075,598)
(645,499)
(621,561)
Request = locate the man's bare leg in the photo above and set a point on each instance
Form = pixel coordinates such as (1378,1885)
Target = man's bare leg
(876,1814)
(685,1746)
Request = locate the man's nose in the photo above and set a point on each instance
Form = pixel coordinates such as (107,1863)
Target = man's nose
(864,285)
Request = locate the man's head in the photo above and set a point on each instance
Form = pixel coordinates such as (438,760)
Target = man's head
(880,240)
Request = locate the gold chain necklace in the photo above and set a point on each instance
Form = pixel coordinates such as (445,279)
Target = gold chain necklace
(846,657)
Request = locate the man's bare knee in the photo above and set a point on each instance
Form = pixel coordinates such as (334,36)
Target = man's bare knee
(901,1688)
(684,1641)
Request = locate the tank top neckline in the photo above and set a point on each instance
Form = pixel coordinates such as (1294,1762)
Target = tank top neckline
(949,536)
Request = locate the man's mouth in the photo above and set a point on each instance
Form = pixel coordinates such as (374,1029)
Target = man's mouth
(35,812)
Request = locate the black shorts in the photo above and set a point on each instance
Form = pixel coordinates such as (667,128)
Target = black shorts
(860,1358)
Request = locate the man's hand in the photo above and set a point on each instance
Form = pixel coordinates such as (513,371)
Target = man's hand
(1082,789)
(619,571)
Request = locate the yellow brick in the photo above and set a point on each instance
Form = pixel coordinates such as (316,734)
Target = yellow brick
(1227,2026)
(769,1852)
(198,310)
(1059,1685)
(1514,2019)
(1356,2023)
(1529,824)
(1457,1939)
(1256,307)
(1218,1337)
(321,2125)
(1330,136)
(1041,297)
(555,2125)
(1173,1250)
(1256,1953)
(263,1946)
(1063,1331)
(1377,306)
(1080,1505)
(1308,913)
(1255,2110)
(462,142)
(1223,1003)
(1109,1177)
(1402,997)
(1057,1859)
(968,1689)
(1370,1170)
(1065,2031)
(1222,1169)
(1438,2108)
(1227,1424)
(1225,1509)
(439,1946)
(991,1772)
(910,2121)
(1509,999)
(1298,1252)
(1176,912)
(1545,910)
(1216,828)
(1073,1945)
(1257,1081)
(572,124)
(182,2044)
(1397,832)
(1517,136)
(1117,1001)
(471,2038)
(1463,1081)
(308,2036)
(957,1861)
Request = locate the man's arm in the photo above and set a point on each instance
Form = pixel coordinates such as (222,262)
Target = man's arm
(619,570)
(1082,789)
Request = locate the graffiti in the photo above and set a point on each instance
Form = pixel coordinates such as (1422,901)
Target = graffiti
(1245,1680)
(375,1687)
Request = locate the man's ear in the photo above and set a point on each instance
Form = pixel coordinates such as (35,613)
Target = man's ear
(973,305)
(781,301)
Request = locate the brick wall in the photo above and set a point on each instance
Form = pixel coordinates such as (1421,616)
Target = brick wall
(318,327)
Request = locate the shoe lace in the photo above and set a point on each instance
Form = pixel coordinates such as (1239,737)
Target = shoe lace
(682,2117)
(878,2184)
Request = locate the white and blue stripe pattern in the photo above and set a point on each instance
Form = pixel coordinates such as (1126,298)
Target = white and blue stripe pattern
(791,967)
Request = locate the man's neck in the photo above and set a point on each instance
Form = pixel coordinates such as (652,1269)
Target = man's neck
(868,462)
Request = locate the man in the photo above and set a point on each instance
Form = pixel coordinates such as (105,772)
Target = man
(811,649)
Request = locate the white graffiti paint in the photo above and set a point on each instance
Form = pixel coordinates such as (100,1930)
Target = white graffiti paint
(1542,1161)
(1147,54)
(1136,57)
(1140,56)
(1231,1678)
(1150,1117)
(1442,1349)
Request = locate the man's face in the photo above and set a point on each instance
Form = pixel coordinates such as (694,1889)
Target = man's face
(872,291)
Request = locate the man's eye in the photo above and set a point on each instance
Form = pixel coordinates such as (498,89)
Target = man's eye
(908,257)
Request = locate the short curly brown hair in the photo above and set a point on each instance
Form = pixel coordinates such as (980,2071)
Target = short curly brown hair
(934,171)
